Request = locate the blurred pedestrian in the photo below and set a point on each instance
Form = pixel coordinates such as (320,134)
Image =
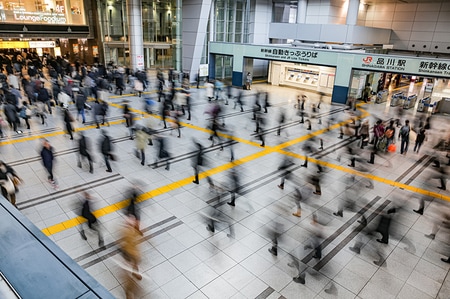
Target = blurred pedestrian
(142,139)
(83,147)
(106,149)
(68,119)
(92,221)
(47,160)
(420,138)
(9,180)
(404,135)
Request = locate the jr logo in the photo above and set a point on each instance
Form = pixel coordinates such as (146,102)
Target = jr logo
(367,60)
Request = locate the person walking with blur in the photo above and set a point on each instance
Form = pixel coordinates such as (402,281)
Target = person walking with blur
(47,160)
(8,182)
(419,140)
(83,147)
(106,149)
(129,244)
(404,135)
(91,220)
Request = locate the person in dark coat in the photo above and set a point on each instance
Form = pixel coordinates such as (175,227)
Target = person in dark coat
(92,221)
(197,161)
(83,146)
(419,140)
(68,119)
(106,149)
(80,101)
(8,188)
(11,115)
(47,160)
(44,97)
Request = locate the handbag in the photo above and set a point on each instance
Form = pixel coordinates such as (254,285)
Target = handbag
(8,185)
(391,148)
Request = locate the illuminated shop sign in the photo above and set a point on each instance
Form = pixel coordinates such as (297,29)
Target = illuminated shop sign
(437,68)
(383,63)
(40,17)
(42,12)
(289,54)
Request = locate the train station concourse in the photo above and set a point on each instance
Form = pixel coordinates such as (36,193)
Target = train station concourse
(194,244)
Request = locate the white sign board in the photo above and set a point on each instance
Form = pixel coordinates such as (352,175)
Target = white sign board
(140,60)
(203,70)
(41,44)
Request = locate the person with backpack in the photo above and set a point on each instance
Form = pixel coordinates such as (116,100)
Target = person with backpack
(389,132)
(404,136)
(106,149)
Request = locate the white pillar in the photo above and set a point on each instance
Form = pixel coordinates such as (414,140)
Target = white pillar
(352,12)
(301,11)
(135,34)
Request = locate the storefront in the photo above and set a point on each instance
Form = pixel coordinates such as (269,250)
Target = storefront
(343,74)
(56,27)
(304,76)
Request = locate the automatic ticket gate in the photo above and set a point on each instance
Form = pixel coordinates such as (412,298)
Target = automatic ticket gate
(410,102)
(397,99)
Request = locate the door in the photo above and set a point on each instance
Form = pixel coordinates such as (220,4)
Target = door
(276,73)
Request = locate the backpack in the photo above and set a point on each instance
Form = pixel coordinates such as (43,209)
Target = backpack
(404,131)
(389,133)
(382,144)
(22,113)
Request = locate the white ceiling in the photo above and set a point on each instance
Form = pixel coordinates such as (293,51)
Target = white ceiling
(402,1)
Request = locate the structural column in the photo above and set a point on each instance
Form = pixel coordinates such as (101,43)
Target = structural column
(177,40)
(301,11)
(135,35)
(352,12)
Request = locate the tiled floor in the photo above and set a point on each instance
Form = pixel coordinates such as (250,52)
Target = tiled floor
(181,259)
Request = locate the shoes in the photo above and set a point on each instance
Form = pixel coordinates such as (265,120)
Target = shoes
(442,188)
(210,228)
(446,260)
(317,193)
(419,211)
(431,236)
(297,214)
(299,279)
(381,241)
(378,263)
(338,214)
(304,165)
(79,165)
(101,243)
(91,171)
(137,276)
(273,251)
(355,249)
(83,235)
(281,187)
(231,203)
(316,257)
(108,170)
(195,182)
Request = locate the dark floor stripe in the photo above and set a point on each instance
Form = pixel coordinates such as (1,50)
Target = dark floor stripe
(266,293)
(72,190)
(418,172)
(116,251)
(341,229)
(353,234)
(404,174)
(112,244)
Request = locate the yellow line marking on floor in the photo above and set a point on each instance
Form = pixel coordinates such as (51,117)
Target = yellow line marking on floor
(266,150)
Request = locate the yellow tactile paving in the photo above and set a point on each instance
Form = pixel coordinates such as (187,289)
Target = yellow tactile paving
(264,151)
